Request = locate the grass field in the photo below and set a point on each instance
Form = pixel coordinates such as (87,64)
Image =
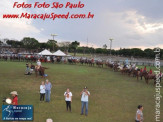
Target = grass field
(114,97)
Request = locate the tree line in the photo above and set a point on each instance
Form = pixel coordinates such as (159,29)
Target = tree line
(74,47)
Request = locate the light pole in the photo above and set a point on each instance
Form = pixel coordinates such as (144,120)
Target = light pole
(111,39)
(53,35)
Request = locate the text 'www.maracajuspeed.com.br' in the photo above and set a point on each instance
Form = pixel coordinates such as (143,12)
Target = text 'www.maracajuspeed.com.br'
(45,16)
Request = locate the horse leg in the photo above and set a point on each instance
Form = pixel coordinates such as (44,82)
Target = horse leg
(36,73)
(146,81)
(141,77)
(137,76)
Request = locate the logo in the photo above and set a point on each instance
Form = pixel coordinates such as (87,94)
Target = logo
(17,112)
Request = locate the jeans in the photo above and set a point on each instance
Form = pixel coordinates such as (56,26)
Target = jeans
(47,95)
(86,107)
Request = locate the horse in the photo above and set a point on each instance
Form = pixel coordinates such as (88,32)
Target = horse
(70,61)
(82,61)
(148,76)
(124,70)
(115,67)
(140,74)
(99,63)
(91,62)
(40,70)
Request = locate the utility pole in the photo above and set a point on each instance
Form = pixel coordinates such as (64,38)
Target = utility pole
(53,35)
(111,39)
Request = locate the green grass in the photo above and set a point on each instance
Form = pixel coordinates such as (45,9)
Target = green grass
(114,97)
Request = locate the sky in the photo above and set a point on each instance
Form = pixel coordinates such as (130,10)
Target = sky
(131,23)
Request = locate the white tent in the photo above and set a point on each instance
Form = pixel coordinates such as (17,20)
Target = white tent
(45,52)
(59,53)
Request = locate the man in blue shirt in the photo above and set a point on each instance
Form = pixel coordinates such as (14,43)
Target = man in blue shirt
(48,87)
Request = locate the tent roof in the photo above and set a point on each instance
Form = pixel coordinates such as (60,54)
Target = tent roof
(59,53)
(45,52)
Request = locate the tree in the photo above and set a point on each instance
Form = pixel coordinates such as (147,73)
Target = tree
(30,43)
(52,44)
(43,46)
(65,46)
(149,53)
(74,46)
(14,43)
(105,46)
(99,50)
(137,52)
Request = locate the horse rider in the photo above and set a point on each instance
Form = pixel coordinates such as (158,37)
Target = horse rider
(150,72)
(145,69)
(134,66)
(92,60)
(141,70)
(38,64)
(126,63)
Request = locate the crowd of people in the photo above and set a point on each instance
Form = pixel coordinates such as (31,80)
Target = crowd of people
(30,58)
(45,91)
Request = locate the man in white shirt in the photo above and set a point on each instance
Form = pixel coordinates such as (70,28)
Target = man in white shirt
(84,100)
(68,99)
(38,64)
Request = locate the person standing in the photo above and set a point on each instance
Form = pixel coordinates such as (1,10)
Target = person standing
(48,87)
(84,100)
(68,99)
(139,114)
(42,91)
(15,97)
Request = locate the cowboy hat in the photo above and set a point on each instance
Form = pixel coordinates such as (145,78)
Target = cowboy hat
(14,92)
(49,120)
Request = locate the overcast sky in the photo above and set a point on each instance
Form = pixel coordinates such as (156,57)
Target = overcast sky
(132,23)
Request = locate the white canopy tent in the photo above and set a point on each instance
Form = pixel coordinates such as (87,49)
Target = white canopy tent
(59,53)
(45,53)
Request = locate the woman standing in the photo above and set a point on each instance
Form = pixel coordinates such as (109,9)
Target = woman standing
(42,91)
(139,114)
(68,99)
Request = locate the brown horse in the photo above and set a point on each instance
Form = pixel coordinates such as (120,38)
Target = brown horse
(148,77)
(99,63)
(115,67)
(91,62)
(140,74)
(40,71)
(125,70)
